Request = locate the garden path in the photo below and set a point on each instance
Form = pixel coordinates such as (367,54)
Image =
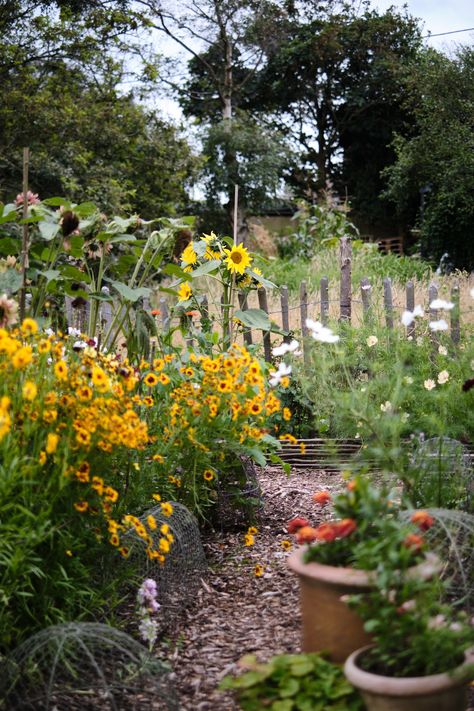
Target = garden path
(235,612)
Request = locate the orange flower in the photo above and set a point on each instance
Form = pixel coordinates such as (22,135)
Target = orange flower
(322,498)
(414,542)
(296,523)
(326,532)
(345,527)
(307,534)
(423,520)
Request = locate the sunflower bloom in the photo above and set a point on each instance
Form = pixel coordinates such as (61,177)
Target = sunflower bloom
(237,259)
(184,292)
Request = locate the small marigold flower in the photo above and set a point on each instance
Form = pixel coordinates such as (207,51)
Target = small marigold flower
(81,506)
(249,539)
(52,442)
(166,508)
(296,523)
(164,545)
(258,570)
(114,540)
(110,494)
(151,380)
(29,327)
(253,530)
(158,458)
(83,437)
(208,475)
(60,370)
(151,521)
(42,457)
(286,545)
(164,529)
(30,390)
(322,498)
(124,551)
(286,413)
(326,532)
(422,519)
(157,497)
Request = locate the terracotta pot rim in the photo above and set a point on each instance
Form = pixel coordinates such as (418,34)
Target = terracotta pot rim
(328,573)
(407,686)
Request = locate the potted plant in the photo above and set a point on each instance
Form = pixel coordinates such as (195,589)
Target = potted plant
(339,558)
(421,657)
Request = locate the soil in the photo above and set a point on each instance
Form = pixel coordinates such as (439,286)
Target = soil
(235,612)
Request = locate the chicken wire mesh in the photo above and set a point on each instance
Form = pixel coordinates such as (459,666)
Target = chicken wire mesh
(442,474)
(179,577)
(83,666)
(452,537)
(239,497)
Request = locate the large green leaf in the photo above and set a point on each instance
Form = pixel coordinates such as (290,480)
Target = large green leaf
(10,281)
(71,272)
(129,294)
(9,246)
(257,318)
(50,274)
(174,270)
(49,230)
(205,268)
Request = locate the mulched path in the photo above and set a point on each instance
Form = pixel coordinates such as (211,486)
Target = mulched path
(234,612)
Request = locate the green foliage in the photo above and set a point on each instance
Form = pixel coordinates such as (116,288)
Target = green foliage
(293,682)
(441,99)
(318,227)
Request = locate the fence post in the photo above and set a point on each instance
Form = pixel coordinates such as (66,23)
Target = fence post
(267,343)
(324,288)
(432,295)
(388,301)
(243,307)
(366,294)
(165,316)
(304,316)
(455,324)
(410,302)
(285,313)
(345,248)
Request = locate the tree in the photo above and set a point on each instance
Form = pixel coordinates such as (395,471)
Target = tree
(437,160)
(88,139)
(334,83)
(221,37)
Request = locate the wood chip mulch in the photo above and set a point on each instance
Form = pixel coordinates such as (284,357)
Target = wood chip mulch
(234,612)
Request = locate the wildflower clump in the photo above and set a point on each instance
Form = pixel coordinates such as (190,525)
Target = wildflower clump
(69,421)
(207,414)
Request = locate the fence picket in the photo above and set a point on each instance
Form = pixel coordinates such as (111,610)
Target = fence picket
(324,288)
(455,325)
(410,292)
(285,313)
(267,343)
(388,301)
(366,295)
(243,307)
(346,276)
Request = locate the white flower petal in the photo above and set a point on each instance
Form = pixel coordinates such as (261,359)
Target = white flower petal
(440,325)
(441,304)
(407,318)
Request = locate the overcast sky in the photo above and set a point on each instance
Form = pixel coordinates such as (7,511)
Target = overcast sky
(440,16)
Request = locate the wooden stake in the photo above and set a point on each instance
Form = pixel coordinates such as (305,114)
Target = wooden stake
(346,276)
(236,212)
(267,344)
(25,236)
(324,289)
(285,315)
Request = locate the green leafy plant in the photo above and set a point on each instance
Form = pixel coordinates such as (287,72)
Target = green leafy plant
(293,682)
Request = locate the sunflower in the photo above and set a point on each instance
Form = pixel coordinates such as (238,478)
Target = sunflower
(237,259)
(184,292)
(189,256)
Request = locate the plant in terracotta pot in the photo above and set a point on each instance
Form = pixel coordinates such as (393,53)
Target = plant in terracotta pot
(339,557)
(421,656)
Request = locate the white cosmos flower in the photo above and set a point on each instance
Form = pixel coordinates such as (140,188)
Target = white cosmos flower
(441,304)
(429,384)
(440,325)
(285,348)
(372,341)
(277,375)
(320,332)
(443,377)
(442,350)
(409,316)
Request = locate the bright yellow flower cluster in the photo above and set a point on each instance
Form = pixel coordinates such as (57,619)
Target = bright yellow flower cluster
(63,411)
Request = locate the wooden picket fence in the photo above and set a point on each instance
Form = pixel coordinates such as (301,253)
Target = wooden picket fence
(319,308)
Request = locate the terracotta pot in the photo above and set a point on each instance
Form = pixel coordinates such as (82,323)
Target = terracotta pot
(437,692)
(329,625)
